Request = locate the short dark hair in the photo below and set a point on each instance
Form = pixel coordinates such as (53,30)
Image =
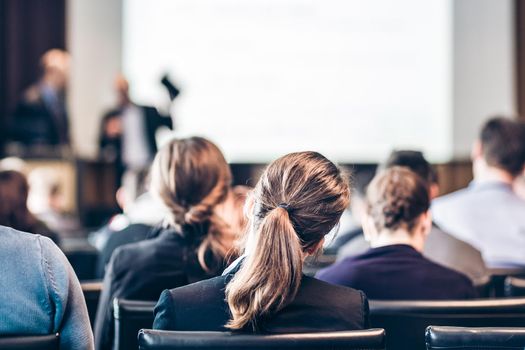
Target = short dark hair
(503,144)
(414,161)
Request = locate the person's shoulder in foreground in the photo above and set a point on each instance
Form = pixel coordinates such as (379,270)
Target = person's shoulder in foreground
(318,306)
(41,293)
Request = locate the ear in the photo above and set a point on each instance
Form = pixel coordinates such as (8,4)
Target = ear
(477,150)
(369,228)
(434,190)
(426,222)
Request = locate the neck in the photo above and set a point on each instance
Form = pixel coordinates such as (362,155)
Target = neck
(399,236)
(486,173)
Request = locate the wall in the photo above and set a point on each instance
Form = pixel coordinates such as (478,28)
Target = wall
(484,70)
(483,66)
(94,40)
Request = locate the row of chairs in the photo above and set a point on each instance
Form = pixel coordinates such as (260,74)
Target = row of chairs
(404,321)
(436,338)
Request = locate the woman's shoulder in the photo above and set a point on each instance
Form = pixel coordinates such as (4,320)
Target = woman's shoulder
(197,306)
(202,291)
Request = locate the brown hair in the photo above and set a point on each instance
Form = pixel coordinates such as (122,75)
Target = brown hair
(396,198)
(298,200)
(191,177)
(503,144)
(13,202)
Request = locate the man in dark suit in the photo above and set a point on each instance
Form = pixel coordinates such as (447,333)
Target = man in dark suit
(127,133)
(40,117)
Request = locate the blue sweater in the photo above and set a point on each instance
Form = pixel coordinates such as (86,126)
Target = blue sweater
(40,293)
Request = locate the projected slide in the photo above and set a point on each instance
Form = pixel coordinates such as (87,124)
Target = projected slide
(349,78)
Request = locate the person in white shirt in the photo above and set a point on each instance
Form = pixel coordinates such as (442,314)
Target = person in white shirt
(488,213)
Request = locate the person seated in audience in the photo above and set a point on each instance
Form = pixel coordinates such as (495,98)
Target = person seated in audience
(488,214)
(191,178)
(350,238)
(440,246)
(14,213)
(47,201)
(397,223)
(298,200)
(40,292)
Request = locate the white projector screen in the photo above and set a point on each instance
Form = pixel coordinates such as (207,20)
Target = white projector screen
(351,79)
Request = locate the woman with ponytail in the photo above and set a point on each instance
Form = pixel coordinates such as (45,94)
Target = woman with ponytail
(298,200)
(192,180)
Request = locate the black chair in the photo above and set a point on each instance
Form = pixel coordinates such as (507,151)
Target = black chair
(499,275)
(514,287)
(444,338)
(405,322)
(370,339)
(130,317)
(92,292)
(83,259)
(33,342)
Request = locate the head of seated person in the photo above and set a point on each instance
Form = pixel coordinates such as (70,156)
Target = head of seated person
(299,198)
(232,212)
(499,152)
(191,178)
(397,223)
(14,191)
(397,210)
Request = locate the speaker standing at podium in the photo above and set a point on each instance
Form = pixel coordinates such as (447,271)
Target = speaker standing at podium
(127,136)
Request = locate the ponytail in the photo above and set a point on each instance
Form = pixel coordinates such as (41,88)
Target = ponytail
(270,276)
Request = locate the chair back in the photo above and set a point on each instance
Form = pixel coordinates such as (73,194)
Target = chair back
(514,287)
(83,260)
(499,275)
(32,342)
(130,316)
(370,339)
(91,291)
(444,338)
(405,322)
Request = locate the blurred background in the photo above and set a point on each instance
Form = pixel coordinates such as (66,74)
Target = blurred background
(351,79)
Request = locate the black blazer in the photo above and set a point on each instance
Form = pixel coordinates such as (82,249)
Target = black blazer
(142,270)
(318,306)
(131,234)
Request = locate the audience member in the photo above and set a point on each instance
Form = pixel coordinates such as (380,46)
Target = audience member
(41,116)
(298,200)
(232,212)
(40,292)
(440,246)
(488,214)
(47,202)
(191,177)
(14,213)
(352,242)
(397,223)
